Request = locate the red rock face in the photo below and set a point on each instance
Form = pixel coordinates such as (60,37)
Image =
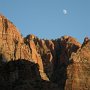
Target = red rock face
(12,44)
(79,71)
(57,59)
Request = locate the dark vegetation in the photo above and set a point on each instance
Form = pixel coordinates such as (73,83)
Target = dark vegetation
(22,75)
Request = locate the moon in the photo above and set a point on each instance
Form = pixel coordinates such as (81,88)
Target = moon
(64,11)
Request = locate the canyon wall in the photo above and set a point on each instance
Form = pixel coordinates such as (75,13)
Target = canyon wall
(63,61)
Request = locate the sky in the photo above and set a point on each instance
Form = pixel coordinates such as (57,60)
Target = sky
(49,19)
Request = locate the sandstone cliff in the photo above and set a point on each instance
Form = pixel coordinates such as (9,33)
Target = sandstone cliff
(63,61)
(78,73)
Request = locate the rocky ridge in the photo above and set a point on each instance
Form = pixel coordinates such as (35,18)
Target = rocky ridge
(59,61)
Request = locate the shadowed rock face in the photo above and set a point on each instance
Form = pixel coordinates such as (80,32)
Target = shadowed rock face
(23,75)
(59,61)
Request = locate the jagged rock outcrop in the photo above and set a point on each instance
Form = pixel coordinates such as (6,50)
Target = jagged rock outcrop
(12,45)
(78,72)
(59,61)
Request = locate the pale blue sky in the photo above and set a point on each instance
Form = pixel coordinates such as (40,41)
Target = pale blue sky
(45,18)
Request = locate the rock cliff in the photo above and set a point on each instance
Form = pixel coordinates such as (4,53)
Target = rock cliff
(78,73)
(63,63)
